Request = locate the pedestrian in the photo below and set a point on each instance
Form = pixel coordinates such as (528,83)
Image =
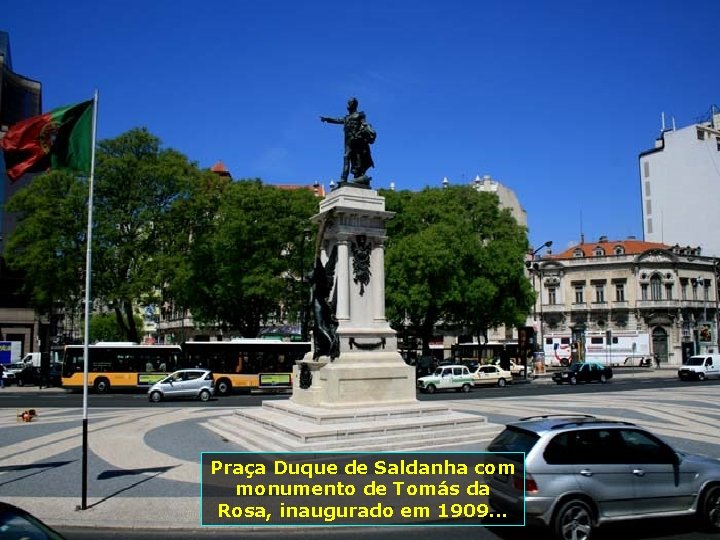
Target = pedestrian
(2,373)
(657,361)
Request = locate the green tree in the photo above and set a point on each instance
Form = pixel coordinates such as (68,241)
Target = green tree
(240,264)
(454,256)
(104,327)
(138,186)
(147,201)
(48,245)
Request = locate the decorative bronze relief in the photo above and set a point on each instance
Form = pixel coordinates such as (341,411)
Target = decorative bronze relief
(361,262)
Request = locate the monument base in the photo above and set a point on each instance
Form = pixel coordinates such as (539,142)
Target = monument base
(357,379)
(283,426)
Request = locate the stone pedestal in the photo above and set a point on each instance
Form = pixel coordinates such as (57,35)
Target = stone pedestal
(369,370)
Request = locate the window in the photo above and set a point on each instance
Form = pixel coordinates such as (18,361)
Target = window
(649,225)
(596,341)
(552,295)
(643,291)
(683,289)
(646,169)
(700,134)
(717,139)
(648,206)
(579,297)
(706,291)
(619,250)
(600,294)
(668,291)
(644,448)
(578,253)
(619,292)
(587,446)
(655,288)
(599,252)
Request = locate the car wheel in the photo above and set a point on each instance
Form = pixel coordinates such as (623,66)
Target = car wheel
(155,397)
(573,521)
(102,386)
(430,389)
(603,378)
(701,377)
(465,388)
(501,382)
(204,395)
(573,380)
(709,510)
(223,387)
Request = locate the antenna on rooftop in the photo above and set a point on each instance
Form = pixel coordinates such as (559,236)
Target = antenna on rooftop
(662,116)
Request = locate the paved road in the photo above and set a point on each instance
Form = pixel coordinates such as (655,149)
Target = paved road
(144,470)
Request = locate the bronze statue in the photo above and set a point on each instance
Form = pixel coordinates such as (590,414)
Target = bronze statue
(323,296)
(359,135)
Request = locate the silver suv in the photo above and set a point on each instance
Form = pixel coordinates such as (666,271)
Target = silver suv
(581,472)
(193,383)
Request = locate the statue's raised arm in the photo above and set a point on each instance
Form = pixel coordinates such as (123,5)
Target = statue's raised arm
(359,135)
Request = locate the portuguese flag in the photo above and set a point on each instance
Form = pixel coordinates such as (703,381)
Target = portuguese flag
(59,139)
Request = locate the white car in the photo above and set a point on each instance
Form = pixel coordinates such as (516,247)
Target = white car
(492,375)
(516,369)
(452,377)
(192,383)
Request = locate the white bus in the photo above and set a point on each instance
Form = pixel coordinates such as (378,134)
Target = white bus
(561,350)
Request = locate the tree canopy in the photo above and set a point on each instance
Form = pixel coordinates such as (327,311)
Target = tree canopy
(236,253)
(454,256)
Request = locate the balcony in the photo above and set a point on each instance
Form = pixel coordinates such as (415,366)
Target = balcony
(553,308)
(663,304)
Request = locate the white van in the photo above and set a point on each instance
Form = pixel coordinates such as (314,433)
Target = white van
(700,367)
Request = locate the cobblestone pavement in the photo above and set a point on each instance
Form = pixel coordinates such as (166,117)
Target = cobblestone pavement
(143,466)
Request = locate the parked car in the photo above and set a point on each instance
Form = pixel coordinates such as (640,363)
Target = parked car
(491,374)
(516,369)
(19,374)
(583,372)
(18,523)
(190,383)
(700,367)
(581,472)
(453,377)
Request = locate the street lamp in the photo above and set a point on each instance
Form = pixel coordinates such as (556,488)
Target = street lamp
(545,245)
(534,268)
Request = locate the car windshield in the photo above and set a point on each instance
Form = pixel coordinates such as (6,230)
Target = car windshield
(694,361)
(514,439)
(575,367)
(438,371)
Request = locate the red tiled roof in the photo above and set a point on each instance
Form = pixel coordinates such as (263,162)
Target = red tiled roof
(631,247)
(220,168)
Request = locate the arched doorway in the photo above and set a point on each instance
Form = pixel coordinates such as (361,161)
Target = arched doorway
(660,343)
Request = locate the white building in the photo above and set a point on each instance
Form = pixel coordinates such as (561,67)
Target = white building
(668,295)
(680,186)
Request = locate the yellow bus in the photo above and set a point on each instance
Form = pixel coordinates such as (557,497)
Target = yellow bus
(119,365)
(247,364)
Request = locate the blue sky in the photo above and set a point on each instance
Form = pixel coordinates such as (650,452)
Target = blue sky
(555,99)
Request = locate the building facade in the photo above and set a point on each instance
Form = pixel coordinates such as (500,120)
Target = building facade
(680,186)
(20,98)
(665,294)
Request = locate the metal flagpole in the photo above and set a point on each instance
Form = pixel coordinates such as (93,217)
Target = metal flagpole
(88,273)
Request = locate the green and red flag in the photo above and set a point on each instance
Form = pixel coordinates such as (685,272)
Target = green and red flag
(59,139)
